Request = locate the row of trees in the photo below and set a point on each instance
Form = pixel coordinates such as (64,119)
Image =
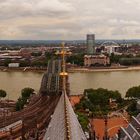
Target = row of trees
(103,94)
(129,61)
(125,59)
(99,98)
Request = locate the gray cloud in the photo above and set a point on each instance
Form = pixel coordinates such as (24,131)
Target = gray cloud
(69,19)
(15,8)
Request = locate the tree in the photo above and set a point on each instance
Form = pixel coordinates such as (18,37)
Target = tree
(27,92)
(97,100)
(133,92)
(132,109)
(77,59)
(2,93)
(83,119)
(101,96)
(24,63)
(19,104)
(114,58)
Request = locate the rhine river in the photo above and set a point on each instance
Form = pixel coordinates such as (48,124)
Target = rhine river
(13,82)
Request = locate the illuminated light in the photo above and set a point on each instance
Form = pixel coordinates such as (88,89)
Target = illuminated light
(63,74)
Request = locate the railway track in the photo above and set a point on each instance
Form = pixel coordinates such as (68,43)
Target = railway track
(51,80)
(37,114)
(38,117)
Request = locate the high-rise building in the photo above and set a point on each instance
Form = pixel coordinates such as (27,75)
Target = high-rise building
(90,43)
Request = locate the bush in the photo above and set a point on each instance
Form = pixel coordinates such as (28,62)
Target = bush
(2,93)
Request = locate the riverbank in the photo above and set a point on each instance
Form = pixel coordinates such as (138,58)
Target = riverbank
(75,69)
(104,69)
(24,69)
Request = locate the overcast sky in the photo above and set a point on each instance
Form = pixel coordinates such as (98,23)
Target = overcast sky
(69,19)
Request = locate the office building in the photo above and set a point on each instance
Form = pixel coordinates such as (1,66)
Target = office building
(90,44)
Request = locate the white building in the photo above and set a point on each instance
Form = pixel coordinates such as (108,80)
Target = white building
(13,65)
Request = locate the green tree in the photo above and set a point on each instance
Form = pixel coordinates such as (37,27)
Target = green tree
(132,109)
(101,96)
(83,119)
(114,58)
(39,63)
(19,104)
(2,93)
(76,59)
(24,63)
(133,92)
(97,100)
(27,92)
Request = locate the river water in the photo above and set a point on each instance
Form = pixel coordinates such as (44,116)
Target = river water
(13,82)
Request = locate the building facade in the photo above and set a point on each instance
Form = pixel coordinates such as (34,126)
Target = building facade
(96,60)
(90,44)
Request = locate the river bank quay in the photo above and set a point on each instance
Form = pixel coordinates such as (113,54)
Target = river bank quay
(24,69)
(103,69)
(75,69)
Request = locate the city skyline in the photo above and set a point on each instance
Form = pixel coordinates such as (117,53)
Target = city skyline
(59,19)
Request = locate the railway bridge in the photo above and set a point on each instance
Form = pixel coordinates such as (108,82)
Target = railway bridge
(50,116)
(64,124)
